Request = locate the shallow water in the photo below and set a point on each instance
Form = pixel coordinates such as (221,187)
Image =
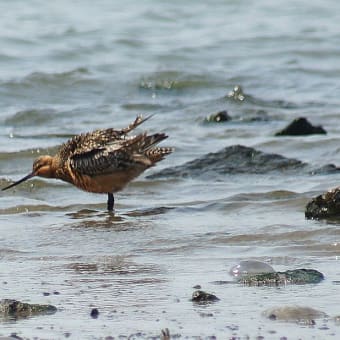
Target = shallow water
(71,67)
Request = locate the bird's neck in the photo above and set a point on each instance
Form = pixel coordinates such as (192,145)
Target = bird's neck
(60,169)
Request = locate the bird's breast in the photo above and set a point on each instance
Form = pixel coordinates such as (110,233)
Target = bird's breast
(101,183)
(104,183)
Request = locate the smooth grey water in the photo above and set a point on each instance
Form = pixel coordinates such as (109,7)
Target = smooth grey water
(70,67)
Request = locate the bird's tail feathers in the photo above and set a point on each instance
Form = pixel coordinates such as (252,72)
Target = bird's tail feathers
(157,154)
(138,121)
(142,147)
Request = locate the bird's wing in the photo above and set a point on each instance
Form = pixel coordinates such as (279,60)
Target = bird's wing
(106,151)
(88,142)
(98,139)
(117,155)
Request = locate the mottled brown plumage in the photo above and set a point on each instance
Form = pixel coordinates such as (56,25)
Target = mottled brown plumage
(102,161)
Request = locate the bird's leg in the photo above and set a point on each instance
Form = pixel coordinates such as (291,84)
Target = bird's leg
(110,202)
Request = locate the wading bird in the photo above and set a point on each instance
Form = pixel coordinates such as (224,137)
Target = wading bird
(102,161)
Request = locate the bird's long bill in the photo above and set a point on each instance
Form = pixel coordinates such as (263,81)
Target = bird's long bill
(32,174)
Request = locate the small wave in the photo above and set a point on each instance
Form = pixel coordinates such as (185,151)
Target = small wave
(33,210)
(237,94)
(31,117)
(301,238)
(28,153)
(7,58)
(142,106)
(174,80)
(136,43)
(68,32)
(119,265)
(9,252)
(43,77)
(149,211)
(37,79)
(265,196)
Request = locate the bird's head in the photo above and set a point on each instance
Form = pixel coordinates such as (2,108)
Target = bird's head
(42,167)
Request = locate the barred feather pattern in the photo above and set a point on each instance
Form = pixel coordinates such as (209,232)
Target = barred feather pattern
(100,162)
(157,154)
(97,139)
(111,151)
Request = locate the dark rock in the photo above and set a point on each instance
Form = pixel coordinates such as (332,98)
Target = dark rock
(232,160)
(13,336)
(296,276)
(16,309)
(301,127)
(46,293)
(202,297)
(218,117)
(324,206)
(94,313)
(197,287)
(239,159)
(302,276)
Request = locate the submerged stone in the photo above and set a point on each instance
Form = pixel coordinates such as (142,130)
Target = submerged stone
(94,313)
(233,159)
(15,309)
(248,267)
(323,206)
(218,117)
(202,297)
(294,313)
(301,127)
(296,276)
(325,170)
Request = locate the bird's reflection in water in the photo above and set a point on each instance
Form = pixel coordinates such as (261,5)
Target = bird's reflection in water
(89,213)
(109,220)
(99,220)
